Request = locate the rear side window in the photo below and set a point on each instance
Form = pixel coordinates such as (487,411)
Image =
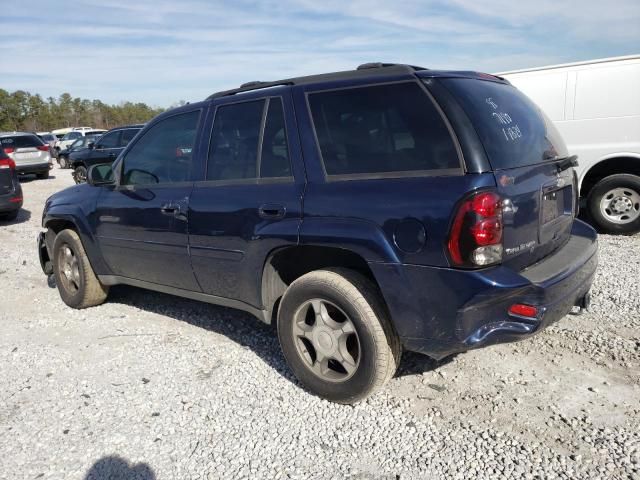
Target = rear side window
(382,129)
(247,144)
(110,140)
(21,141)
(514,131)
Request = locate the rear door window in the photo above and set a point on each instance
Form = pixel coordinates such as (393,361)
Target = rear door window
(514,131)
(246,144)
(110,140)
(382,130)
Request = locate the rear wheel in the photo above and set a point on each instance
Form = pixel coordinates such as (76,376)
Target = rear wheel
(80,174)
(336,336)
(614,204)
(77,283)
(42,175)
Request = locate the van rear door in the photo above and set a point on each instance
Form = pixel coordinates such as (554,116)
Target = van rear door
(532,168)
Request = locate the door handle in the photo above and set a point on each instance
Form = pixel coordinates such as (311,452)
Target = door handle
(272,211)
(175,210)
(111,155)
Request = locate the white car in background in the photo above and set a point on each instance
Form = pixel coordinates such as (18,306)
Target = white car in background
(596,107)
(75,134)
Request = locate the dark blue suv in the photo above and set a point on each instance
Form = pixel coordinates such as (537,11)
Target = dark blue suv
(364,212)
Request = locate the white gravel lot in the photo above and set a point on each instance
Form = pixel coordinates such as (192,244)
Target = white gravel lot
(150,386)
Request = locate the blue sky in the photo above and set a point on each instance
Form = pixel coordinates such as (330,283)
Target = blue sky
(159,52)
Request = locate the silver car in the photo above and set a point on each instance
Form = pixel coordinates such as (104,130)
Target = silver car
(50,139)
(30,154)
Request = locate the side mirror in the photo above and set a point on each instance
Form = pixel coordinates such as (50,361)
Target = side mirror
(101,174)
(91,145)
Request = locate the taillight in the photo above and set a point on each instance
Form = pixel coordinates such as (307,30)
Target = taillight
(7,163)
(8,149)
(475,239)
(43,148)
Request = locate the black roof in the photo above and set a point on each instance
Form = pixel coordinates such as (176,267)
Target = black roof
(366,70)
(363,71)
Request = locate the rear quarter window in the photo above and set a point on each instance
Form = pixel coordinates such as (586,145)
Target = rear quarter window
(382,130)
(513,130)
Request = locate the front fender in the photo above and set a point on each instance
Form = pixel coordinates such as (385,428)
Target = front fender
(75,207)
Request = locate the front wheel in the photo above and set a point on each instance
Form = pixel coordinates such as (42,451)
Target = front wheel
(80,174)
(62,161)
(77,283)
(336,336)
(614,204)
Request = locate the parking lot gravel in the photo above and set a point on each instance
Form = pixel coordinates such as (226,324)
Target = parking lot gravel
(149,386)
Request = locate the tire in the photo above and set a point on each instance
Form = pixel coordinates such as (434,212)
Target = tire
(367,362)
(77,283)
(614,204)
(80,174)
(10,216)
(62,161)
(42,175)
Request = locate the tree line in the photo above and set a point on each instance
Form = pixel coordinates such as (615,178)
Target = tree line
(23,111)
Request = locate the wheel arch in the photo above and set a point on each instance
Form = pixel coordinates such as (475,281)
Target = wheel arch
(284,265)
(615,163)
(56,221)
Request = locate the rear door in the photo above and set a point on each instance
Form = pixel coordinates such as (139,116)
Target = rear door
(530,163)
(250,202)
(141,224)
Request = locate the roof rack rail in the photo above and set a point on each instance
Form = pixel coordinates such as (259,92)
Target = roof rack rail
(366,66)
(246,87)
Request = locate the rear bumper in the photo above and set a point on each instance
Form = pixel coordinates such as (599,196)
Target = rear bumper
(34,167)
(440,311)
(9,202)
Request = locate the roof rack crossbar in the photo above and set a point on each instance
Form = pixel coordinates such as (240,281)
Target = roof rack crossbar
(247,87)
(367,66)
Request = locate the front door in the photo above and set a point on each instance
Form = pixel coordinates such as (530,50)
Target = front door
(250,202)
(141,223)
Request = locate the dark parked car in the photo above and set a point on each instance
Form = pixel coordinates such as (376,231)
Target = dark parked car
(81,143)
(363,212)
(10,190)
(104,150)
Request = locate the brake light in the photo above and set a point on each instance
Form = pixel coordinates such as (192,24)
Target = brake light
(43,148)
(8,149)
(15,199)
(7,163)
(523,310)
(475,239)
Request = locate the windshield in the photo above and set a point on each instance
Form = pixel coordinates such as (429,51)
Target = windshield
(514,131)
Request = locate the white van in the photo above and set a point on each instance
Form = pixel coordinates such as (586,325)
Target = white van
(596,107)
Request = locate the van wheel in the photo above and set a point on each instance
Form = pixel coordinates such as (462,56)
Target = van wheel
(614,204)
(336,336)
(77,283)
(80,174)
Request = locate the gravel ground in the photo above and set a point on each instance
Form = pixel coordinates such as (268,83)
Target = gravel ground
(152,386)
